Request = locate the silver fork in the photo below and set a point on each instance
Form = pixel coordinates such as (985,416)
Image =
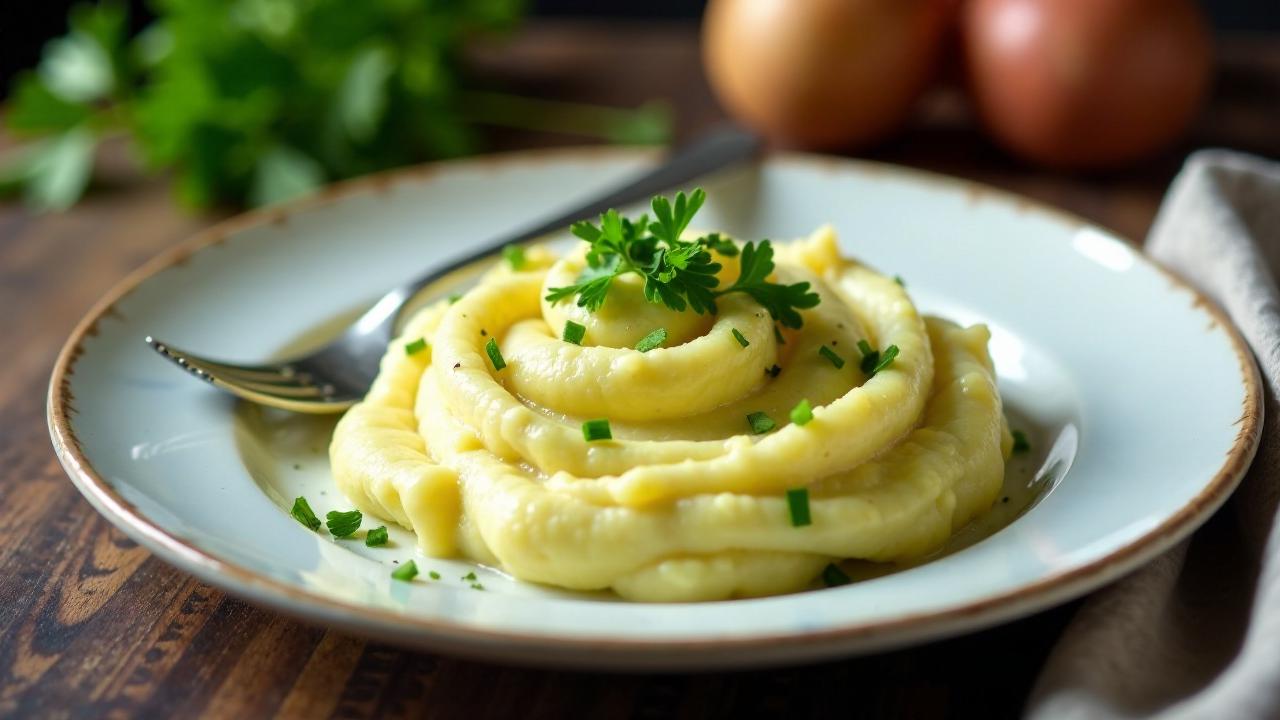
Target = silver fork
(337,375)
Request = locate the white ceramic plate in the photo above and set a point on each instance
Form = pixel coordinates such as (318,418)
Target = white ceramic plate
(1141,400)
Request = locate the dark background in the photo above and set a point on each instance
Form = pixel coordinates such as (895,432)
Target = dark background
(26,24)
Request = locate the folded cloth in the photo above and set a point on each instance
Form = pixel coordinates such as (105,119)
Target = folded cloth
(1196,633)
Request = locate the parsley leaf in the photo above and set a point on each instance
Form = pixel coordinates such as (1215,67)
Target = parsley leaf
(670,223)
(782,301)
(680,274)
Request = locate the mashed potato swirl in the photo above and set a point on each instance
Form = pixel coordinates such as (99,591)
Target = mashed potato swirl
(685,502)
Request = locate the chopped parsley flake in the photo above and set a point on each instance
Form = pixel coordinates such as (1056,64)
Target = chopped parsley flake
(433,575)
(652,340)
(573,332)
(1020,442)
(898,279)
(470,577)
(454,297)
(415,347)
(831,355)
(798,507)
(406,572)
(802,413)
(514,255)
(593,430)
(772,371)
(302,513)
(495,355)
(343,524)
(760,423)
(376,537)
(742,339)
(833,576)
(477,586)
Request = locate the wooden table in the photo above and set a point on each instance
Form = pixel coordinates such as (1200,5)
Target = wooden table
(93,625)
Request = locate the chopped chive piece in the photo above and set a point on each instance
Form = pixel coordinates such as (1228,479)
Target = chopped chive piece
(433,575)
(898,279)
(593,430)
(802,413)
(777,335)
(760,423)
(573,332)
(454,297)
(652,340)
(470,577)
(798,506)
(514,255)
(870,358)
(302,513)
(833,576)
(406,572)
(886,359)
(1020,443)
(415,347)
(495,355)
(342,524)
(376,537)
(831,355)
(742,340)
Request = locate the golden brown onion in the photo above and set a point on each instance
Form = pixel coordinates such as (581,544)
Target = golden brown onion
(822,73)
(1085,83)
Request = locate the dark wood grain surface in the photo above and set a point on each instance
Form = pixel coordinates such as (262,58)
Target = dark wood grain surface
(91,625)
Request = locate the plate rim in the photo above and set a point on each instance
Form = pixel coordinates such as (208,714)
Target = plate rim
(647,652)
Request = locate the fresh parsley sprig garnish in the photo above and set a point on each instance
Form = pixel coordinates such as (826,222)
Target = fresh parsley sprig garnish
(681,274)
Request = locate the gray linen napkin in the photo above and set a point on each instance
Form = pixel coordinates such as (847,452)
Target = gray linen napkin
(1196,633)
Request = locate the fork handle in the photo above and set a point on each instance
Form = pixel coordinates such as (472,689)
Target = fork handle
(724,147)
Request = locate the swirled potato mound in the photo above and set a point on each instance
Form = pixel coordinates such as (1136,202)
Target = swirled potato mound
(687,501)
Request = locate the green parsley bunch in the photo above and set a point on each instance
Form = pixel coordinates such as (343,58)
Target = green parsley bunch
(257,101)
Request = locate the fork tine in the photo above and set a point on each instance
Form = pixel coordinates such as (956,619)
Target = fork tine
(291,392)
(282,374)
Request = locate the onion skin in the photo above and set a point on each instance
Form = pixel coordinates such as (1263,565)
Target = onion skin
(822,74)
(1086,84)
